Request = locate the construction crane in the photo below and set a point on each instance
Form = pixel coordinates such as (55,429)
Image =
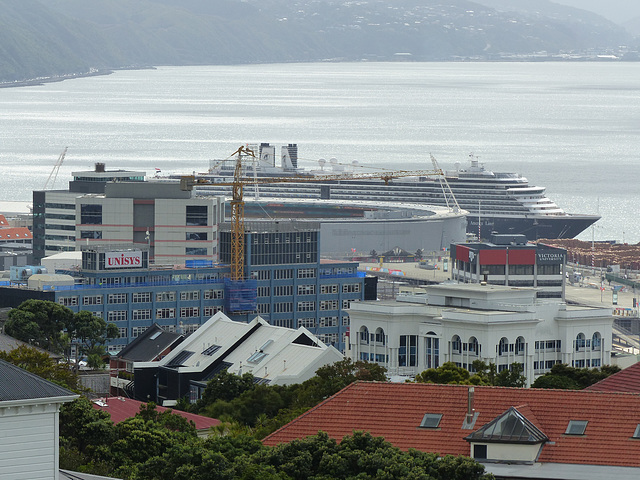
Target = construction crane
(239,181)
(56,169)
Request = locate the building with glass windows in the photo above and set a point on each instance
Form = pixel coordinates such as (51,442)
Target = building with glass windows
(117,207)
(287,284)
(511,260)
(467,322)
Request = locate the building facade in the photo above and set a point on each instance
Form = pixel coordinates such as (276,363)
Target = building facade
(494,324)
(511,260)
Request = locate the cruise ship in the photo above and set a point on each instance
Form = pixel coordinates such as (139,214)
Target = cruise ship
(503,203)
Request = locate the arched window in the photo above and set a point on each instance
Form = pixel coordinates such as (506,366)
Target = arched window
(380,337)
(520,345)
(364,335)
(503,346)
(596,341)
(580,342)
(473,346)
(456,344)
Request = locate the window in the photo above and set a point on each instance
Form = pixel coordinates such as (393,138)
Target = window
(117,315)
(190,295)
(431,420)
(95,234)
(197,215)
(520,345)
(91,214)
(307,322)
(211,311)
(306,306)
(141,314)
(346,321)
(68,301)
(456,344)
(307,273)
(123,332)
(351,288)
(503,346)
(137,331)
(141,297)
(165,313)
(576,427)
(195,251)
(596,341)
(165,296)
(284,307)
(328,322)
(188,312)
(196,235)
(328,289)
(480,452)
(264,308)
(117,298)
(346,304)
(306,289)
(283,290)
(408,351)
(380,336)
(92,300)
(214,294)
(283,274)
(329,305)
(580,342)
(364,335)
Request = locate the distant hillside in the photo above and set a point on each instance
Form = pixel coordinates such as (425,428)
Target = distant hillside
(42,38)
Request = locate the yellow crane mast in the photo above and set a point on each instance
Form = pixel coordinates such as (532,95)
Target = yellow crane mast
(239,181)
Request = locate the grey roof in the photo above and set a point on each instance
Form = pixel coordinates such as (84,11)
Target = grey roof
(8,343)
(148,345)
(18,384)
(69,475)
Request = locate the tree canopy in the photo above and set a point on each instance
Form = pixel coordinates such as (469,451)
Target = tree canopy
(450,373)
(571,378)
(42,364)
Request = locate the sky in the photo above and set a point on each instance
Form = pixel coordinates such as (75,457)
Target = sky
(618,11)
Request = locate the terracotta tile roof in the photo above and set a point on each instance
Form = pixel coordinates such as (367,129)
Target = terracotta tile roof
(395,410)
(626,380)
(121,408)
(11,234)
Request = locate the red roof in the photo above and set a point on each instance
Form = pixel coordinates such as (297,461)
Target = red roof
(121,408)
(395,411)
(626,380)
(15,233)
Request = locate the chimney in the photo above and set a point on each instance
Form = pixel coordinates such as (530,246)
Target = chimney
(470,409)
(100,167)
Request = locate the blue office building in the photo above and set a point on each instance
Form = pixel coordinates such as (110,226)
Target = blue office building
(286,283)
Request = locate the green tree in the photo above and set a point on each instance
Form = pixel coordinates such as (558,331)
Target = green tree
(40,323)
(91,333)
(42,364)
(571,378)
(509,377)
(449,373)
(224,386)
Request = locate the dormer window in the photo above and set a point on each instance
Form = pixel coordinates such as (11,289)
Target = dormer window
(636,434)
(576,427)
(431,420)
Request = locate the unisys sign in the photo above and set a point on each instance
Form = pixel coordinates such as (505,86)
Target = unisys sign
(132,259)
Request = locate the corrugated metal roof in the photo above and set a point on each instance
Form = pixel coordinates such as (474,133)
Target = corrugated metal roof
(18,384)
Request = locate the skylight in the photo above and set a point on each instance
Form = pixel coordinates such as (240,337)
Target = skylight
(636,434)
(155,335)
(211,350)
(576,427)
(180,358)
(431,420)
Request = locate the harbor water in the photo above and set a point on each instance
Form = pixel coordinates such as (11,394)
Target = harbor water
(571,127)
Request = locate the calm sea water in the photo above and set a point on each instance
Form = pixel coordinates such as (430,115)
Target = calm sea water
(572,127)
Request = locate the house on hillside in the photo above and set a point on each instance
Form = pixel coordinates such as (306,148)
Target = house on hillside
(516,433)
(121,408)
(152,345)
(274,355)
(29,407)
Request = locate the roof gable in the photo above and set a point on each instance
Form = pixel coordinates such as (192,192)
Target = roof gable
(17,384)
(510,427)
